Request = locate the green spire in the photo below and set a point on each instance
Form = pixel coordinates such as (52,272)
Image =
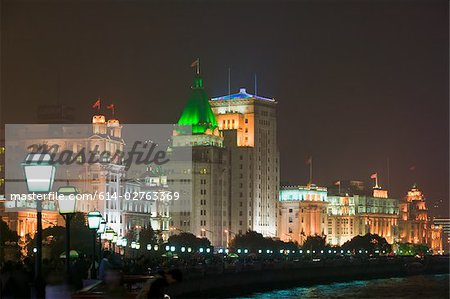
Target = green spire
(197,112)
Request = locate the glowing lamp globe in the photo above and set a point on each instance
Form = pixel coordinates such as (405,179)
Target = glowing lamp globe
(138,246)
(67,204)
(109,234)
(94,219)
(39,172)
(101,227)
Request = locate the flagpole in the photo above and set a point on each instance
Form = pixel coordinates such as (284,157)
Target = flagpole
(256,86)
(388,173)
(310,171)
(229,89)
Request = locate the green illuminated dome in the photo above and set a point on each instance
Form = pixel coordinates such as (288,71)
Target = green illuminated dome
(197,112)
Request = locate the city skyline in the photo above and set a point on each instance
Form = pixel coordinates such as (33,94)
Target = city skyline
(226,148)
(369,101)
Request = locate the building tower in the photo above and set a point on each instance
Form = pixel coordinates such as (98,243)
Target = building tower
(249,124)
(205,211)
(414,224)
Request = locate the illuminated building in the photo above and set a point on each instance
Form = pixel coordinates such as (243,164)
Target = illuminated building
(354,211)
(204,209)
(414,225)
(444,224)
(249,127)
(140,213)
(90,178)
(2,164)
(302,212)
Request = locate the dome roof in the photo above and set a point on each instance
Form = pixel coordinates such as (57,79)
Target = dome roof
(197,112)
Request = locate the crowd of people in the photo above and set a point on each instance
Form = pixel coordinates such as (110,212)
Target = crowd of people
(18,280)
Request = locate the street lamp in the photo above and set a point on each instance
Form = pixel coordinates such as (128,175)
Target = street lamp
(100,232)
(228,232)
(67,205)
(39,173)
(94,221)
(114,241)
(207,230)
(109,235)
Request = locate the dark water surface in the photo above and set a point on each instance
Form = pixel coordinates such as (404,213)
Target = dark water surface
(421,287)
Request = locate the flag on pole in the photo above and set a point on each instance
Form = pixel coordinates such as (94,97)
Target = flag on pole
(112,107)
(412,168)
(97,104)
(196,64)
(309,161)
(338,183)
(375,176)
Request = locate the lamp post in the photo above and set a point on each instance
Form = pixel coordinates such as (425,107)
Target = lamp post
(100,231)
(114,241)
(207,230)
(94,220)
(67,208)
(109,235)
(228,232)
(39,173)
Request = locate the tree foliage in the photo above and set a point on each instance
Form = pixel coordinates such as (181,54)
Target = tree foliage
(7,234)
(188,240)
(54,237)
(314,243)
(412,249)
(254,241)
(369,242)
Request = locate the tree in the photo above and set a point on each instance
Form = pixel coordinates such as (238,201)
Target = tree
(314,243)
(146,236)
(188,240)
(6,234)
(369,242)
(54,237)
(253,241)
(412,249)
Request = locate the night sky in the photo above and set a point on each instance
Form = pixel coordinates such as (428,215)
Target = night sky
(356,81)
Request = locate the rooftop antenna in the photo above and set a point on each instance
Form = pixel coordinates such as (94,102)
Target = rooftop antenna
(256,86)
(229,89)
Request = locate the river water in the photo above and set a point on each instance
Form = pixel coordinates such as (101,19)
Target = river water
(421,286)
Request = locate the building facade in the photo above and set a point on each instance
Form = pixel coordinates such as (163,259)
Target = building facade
(414,224)
(204,208)
(302,212)
(249,126)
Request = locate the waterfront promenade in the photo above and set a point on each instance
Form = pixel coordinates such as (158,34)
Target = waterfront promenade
(258,277)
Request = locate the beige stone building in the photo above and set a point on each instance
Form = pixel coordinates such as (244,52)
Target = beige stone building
(249,126)
(302,212)
(414,224)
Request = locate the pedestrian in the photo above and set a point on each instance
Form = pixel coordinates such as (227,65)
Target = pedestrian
(156,287)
